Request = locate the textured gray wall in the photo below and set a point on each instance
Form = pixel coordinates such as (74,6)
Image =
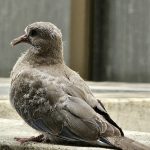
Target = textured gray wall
(16,14)
(122,40)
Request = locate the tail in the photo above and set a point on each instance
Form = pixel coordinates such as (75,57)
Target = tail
(125,143)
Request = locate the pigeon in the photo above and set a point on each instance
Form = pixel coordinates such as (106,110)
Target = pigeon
(54,100)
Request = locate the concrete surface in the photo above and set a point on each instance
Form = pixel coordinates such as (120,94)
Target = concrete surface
(6,110)
(17,128)
(125,111)
(128,105)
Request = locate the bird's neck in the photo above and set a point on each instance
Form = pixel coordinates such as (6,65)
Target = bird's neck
(45,57)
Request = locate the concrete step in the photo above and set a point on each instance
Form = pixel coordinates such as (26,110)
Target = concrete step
(10,128)
(104,88)
(125,111)
(17,128)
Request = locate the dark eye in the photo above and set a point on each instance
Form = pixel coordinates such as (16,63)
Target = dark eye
(33,33)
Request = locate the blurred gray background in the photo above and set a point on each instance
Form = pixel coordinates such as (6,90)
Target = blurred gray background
(121,42)
(15,15)
(104,40)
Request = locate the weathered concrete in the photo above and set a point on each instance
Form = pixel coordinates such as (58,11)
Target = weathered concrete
(17,128)
(129,111)
(6,110)
(125,111)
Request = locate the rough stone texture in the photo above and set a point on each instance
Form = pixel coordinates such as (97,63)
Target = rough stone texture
(6,110)
(17,128)
(130,113)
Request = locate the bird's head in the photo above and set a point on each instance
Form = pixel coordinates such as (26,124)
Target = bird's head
(42,36)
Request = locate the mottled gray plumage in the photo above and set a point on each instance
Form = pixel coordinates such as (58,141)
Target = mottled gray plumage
(54,99)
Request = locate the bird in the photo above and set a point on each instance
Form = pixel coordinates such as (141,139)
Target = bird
(55,100)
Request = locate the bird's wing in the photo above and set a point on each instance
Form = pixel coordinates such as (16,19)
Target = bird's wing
(82,120)
(78,88)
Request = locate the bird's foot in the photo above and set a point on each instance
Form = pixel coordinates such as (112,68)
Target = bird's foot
(39,138)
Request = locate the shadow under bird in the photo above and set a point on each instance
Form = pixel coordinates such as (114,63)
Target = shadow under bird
(55,100)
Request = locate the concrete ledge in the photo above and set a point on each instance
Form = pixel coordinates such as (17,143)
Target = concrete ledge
(17,128)
(7,111)
(10,144)
(118,108)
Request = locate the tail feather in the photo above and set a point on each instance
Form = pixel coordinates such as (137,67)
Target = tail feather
(125,143)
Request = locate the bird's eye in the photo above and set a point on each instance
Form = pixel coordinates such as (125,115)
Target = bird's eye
(33,33)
